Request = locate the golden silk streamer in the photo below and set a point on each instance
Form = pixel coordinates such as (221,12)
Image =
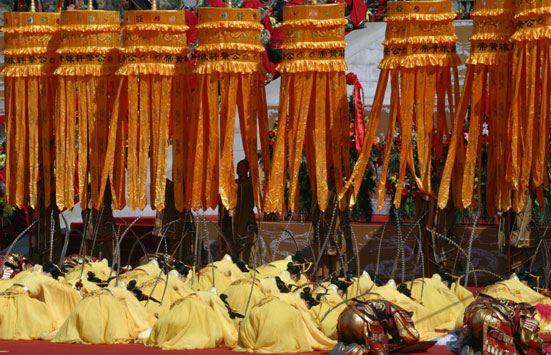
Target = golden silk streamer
(31,39)
(88,58)
(426,67)
(488,68)
(153,94)
(230,80)
(394,47)
(313,108)
(420,59)
(528,125)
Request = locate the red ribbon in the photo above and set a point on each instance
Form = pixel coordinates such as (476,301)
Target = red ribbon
(359,124)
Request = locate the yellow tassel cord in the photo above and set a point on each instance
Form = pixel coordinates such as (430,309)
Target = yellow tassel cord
(313,109)
(529,113)
(420,60)
(31,40)
(153,88)
(88,59)
(229,81)
(488,68)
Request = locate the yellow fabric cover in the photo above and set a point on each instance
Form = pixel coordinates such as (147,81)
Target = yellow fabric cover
(268,270)
(442,303)
(98,268)
(23,317)
(98,319)
(193,322)
(161,291)
(272,326)
(229,269)
(329,325)
(59,298)
(361,285)
(465,296)
(269,286)
(239,293)
(139,318)
(280,264)
(211,276)
(315,337)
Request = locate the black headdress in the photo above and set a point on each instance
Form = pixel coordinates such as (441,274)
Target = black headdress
(293,269)
(307,296)
(341,285)
(92,278)
(403,289)
(281,285)
(138,293)
(445,276)
(180,267)
(52,269)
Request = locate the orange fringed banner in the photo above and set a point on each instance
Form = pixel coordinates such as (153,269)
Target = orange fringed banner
(89,57)
(313,107)
(420,59)
(488,68)
(31,40)
(153,92)
(229,76)
(528,125)
(394,49)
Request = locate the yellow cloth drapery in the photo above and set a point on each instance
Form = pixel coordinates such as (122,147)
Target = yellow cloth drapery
(153,93)
(229,77)
(313,108)
(420,59)
(88,58)
(31,40)
(488,66)
(528,125)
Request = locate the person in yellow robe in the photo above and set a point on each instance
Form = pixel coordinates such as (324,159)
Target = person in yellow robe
(269,286)
(516,290)
(330,306)
(100,268)
(164,289)
(197,321)
(211,276)
(360,285)
(315,337)
(34,305)
(442,303)
(272,326)
(242,294)
(228,266)
(98,319)
(402,297)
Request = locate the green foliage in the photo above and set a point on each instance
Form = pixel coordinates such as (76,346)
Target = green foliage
(363,210)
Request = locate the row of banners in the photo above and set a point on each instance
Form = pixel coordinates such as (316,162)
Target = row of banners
(85,114)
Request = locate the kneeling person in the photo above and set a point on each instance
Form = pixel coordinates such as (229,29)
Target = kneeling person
(375,326)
